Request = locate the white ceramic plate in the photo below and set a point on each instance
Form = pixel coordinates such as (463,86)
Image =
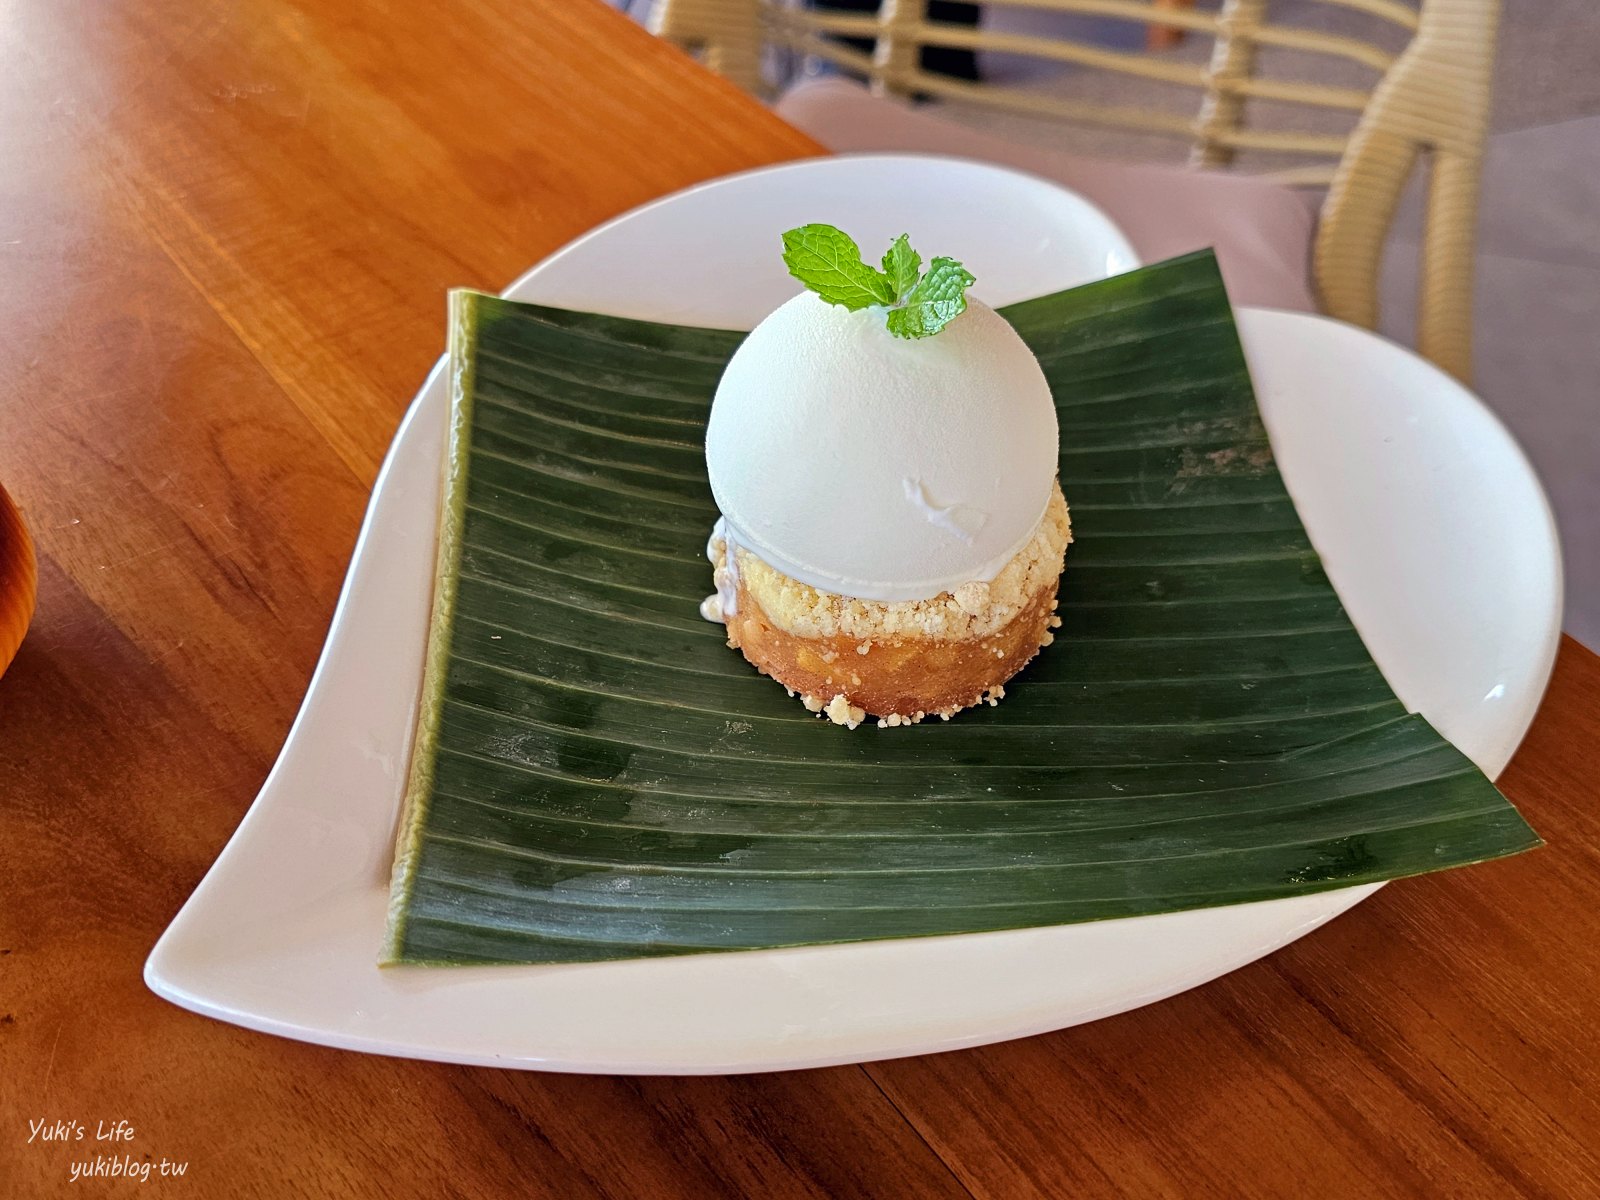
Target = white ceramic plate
(1432,524)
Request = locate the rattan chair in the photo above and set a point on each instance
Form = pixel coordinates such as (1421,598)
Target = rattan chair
(1427,102)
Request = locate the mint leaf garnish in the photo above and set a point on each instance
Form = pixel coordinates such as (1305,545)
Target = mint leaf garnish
(828,261)
(939,298)
(902,265)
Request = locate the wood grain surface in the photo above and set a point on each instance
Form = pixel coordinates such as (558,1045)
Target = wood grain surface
(226,229)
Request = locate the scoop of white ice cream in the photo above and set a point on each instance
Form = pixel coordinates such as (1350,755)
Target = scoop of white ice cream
(879,467)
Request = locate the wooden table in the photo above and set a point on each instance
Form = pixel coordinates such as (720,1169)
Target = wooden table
(226,230)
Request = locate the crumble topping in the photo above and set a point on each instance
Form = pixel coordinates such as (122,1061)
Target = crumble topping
(841,712)
(972,610)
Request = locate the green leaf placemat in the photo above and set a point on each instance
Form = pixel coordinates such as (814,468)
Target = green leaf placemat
(597,776)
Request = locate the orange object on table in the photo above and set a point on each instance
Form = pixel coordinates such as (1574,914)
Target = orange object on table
(19,577)
(230,228)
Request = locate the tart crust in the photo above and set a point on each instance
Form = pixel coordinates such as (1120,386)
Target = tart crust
(899,662)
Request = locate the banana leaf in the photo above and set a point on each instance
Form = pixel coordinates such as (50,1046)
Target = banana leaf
(597,776)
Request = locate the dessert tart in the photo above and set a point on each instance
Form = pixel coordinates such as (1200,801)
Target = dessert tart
(883,451)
